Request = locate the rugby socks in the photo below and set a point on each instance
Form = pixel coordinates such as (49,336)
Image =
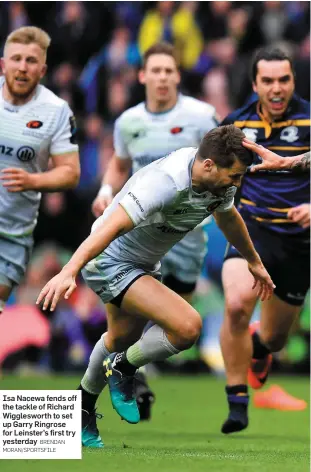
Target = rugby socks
(93,381)
(260,351)
(238,398)
(152,346)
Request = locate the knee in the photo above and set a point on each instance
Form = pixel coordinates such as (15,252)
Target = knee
(238,315)
(274,341)
(189,330)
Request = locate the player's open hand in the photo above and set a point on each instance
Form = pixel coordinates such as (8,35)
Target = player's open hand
(262,281)
(300,215)
(63,284)
(270,160)
(100,204)
(17,180)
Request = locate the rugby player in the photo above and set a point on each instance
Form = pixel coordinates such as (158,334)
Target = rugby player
(36,127)
(275,207)
(155,209)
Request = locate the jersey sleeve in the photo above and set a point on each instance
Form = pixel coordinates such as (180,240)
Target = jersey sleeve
(119,142)
(148,195)
(228,202)
(64,138)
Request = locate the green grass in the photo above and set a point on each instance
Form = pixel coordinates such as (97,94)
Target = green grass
(184,434)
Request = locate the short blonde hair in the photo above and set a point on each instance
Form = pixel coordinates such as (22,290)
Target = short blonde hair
(29,35)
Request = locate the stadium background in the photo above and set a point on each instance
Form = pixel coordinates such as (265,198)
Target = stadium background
(92,63)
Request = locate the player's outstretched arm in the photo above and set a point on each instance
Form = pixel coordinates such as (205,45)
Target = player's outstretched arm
(233,227)
(117,173)
(63,284)
(272,161)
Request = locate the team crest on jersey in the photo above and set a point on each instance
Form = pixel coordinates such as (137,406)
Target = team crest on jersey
(34,124)
(176,130)
(290,134)
(250,133)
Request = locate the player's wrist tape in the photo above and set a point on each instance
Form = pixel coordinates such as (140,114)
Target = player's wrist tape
(105,191)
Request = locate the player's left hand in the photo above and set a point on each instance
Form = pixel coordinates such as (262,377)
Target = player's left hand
(17,180)
(62,284)
(300,215)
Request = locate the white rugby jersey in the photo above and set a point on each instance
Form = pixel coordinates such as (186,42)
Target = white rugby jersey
(160,201)
(29,135)
(145,137)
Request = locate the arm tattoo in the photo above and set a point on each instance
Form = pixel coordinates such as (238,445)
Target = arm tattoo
(303,164)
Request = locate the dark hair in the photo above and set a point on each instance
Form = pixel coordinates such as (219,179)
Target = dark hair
(160,48)
(223,145)
(269,54)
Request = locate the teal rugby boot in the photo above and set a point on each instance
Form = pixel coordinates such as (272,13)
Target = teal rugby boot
(90,433)
(121,390)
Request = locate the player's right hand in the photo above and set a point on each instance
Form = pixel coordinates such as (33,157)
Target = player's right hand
(270,160)
(63,284)
(262,281)
(100,204)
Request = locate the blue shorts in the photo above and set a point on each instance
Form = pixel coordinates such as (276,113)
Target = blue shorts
(286,260)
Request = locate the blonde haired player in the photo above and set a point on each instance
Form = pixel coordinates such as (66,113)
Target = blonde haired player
(36,126)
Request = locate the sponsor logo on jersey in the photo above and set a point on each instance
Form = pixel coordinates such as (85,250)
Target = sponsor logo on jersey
(170,230)
(25,153)
(176,130)
(290,134)
(34,124)
(6,150)
(136,201)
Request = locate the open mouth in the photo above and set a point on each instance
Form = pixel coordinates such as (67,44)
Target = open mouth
(277,103)
(21,80)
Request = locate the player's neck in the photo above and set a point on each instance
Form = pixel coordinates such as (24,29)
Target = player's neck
(154,106)
(13,99)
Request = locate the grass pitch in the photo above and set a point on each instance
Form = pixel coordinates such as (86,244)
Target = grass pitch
(184,434)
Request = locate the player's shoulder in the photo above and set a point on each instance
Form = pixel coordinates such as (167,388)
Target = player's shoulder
(198,107)
(242,113)
(131,114)
(300,105)
(176,166)
(48,98)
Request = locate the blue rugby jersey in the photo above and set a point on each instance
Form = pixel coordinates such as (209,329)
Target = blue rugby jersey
(266,196)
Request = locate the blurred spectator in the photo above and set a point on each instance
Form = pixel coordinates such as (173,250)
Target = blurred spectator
(178,27)
(215,92)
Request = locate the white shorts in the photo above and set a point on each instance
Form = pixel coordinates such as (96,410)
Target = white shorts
(108,277)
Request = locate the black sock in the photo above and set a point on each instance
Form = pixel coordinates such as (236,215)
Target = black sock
(88,399)
(259,350)
(237,420)
(123,365)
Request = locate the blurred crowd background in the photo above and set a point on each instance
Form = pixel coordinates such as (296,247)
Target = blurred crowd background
(92,63)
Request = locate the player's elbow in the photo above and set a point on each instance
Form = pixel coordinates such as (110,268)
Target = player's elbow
(73,177)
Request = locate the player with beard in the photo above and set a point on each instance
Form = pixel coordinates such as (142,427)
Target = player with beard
(166,121)
(36,126)
(154,210)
